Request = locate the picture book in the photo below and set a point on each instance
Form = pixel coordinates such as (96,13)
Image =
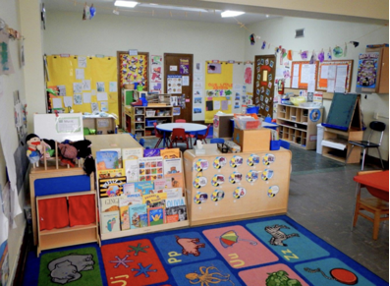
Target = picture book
(119,151)
(152,152)
(150,169)
(109,204)
(154,200)
(132,153)
(172,166)
(176,180)
(161,184)
(107,160)
(110,222)
(134,212)
(110,173)
(124,203)
(143,218)
(156,216)
(170,153)
(131,169)
(111,187)
(144,188)
(128,189)
(173,193)
(174,202)
(135,199)
(176,213)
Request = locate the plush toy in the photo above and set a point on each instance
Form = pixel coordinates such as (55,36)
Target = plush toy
(84,151)
(33,149)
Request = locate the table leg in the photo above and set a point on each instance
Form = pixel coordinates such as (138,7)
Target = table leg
(164,139)
(354,217)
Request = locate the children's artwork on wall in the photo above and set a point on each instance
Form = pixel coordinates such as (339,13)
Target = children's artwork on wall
(62,90)
(100,86)
(77,99)
(6,66)
(94,107)
(213,68)
(77,87)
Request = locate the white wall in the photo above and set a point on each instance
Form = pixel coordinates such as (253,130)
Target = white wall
(320,34)
(13,82)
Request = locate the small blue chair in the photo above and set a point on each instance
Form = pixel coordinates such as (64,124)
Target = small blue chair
(284,144)
(142,142)
(133,135)
(217,140)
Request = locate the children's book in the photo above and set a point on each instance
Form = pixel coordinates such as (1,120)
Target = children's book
(124,203)
(173,193)
(119,151)
(152,152)
(110,222)
(176,213)
(156,216)
(128,189)
(176,180)
(174,202)
(154,200)
(143,219)
(134,212)
(111,187)
(135,199)
(150,169)
(132,153)
(161,184)
(144,188)
(110,173)
(172,166)
(109,204)
(107,160)
(131,169)
(170,153)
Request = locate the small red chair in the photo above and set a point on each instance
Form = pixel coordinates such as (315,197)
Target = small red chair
(178,135)
(159,135)
(202,137)
(180,121)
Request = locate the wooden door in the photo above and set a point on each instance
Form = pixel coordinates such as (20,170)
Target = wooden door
(263,87)
(131,69)
(179,67)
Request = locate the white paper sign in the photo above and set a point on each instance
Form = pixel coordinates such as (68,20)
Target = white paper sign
(173,68)
(113,86)
(102,96)
(57,102)
(87,97)
(68,101)
(185,80)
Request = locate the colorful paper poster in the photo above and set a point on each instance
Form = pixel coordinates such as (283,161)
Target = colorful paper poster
(156,73)
(174,83)
(184,66)
(367,70)
(156,60)
(133,69)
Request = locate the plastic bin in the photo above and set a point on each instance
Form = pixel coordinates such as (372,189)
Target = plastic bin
(275,144)
(150,122)
(252,109)
(320,136)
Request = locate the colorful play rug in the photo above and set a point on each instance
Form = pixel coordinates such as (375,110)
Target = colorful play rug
(273,251)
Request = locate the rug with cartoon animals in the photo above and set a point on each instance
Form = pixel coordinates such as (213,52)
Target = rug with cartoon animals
(272,251)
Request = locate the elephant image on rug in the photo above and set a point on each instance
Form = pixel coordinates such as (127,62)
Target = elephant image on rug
(67,268)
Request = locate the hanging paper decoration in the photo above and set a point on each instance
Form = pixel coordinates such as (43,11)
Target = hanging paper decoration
(355,44)
(329,54)
(304,55)
(321,56)
(290,55)
(263,45)
(252,39)
(257,37)
(338,52)
(284,53)
(92,11)
(86,12)
(313,57)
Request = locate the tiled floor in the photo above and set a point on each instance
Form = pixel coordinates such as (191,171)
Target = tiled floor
(322,196)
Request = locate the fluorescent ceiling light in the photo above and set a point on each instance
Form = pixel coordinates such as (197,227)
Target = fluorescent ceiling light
(228,13)
(128,4)
(190,9)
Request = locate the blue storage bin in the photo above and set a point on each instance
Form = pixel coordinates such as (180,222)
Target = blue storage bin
(275,145)
(252,109)
(149,122)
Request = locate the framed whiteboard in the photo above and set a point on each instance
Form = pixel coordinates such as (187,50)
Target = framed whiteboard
(59,128)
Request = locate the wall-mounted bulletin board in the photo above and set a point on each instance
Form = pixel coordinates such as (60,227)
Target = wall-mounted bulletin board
(303,75)
(219,88)
(263,88)
(334,76)
(84,84)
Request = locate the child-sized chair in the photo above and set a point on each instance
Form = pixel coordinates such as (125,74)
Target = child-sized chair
(178,135)
(159,136)
(202,137)
(180,121)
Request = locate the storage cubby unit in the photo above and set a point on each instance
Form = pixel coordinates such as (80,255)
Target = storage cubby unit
(101,125)
(298,125)
(142,119)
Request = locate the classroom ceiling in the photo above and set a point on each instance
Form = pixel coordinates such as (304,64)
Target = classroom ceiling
(163,10)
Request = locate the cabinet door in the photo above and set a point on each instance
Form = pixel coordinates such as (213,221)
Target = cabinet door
(384,72)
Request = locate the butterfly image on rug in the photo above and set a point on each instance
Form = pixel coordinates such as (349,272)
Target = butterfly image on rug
(205,278)
(341,275)
(277,235)
(190,245)
(230,237)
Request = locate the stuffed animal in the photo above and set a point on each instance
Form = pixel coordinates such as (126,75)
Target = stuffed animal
(33,148)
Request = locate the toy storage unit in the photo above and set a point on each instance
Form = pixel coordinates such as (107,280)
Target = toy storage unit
(126,141)
(101,125)
(298,125)
(141,118)
(70,184)
(263,188)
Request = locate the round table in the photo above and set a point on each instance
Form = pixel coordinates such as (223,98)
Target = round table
(188,127)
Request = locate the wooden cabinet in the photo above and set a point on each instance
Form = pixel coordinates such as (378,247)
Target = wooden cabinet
(99,125)
(298,125)
(383,69)
(335,144)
